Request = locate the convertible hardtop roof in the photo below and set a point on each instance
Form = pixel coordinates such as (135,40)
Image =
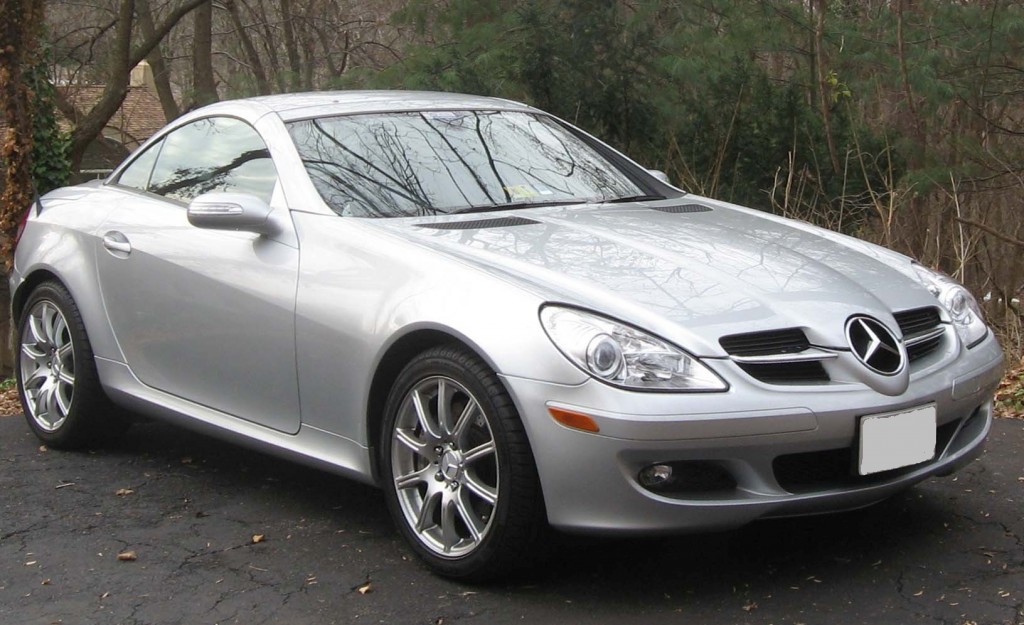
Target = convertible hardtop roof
(292,106)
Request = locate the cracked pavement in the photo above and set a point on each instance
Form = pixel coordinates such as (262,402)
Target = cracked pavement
(949,551)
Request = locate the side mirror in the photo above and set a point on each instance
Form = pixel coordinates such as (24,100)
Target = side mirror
(231,211)
(660,175)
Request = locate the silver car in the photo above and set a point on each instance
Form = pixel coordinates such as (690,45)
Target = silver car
(498,319)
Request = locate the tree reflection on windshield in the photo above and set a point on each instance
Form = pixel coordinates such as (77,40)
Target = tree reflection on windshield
(436,162)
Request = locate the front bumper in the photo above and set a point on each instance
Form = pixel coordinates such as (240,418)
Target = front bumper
(767,451)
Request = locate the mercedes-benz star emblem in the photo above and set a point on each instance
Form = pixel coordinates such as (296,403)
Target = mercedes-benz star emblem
(874,345)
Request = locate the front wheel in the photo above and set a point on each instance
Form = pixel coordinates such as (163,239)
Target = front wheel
(57,380)
(458,472)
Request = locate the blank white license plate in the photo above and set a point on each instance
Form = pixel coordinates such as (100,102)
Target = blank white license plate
(896,439)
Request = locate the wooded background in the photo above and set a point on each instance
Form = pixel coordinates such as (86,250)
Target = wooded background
(898,121)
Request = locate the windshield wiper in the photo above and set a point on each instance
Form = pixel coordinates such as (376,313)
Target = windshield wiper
(514,206)
(634,198)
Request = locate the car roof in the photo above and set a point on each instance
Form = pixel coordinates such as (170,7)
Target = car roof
(293,106)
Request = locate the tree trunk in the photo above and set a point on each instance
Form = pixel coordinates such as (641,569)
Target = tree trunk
(251,54)
(203,86)
(161,73)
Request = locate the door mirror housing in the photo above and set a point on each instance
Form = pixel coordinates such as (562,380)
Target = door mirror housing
(659,175)
(232,211)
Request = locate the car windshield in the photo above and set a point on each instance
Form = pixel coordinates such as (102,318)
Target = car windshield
(442,162)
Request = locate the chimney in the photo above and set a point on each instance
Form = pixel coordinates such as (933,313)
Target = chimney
(142,76)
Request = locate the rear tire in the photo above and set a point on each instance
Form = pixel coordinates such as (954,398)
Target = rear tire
(60,390)
(457,469)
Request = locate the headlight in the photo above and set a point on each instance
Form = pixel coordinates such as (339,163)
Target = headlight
(959,303)
(624,356)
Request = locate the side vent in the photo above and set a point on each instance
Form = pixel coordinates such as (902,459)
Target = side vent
(683,208)
(480,224)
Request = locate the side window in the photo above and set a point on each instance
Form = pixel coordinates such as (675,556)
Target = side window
(136,175)
(213,154)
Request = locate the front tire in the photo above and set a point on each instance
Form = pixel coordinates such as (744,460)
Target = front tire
(457,469)
(60,391)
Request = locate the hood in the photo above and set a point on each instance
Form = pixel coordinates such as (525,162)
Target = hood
(690,269)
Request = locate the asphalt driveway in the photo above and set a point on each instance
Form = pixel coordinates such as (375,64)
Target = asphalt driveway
(172,527)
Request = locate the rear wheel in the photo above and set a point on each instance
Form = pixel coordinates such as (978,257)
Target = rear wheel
(57,380)
(458,472)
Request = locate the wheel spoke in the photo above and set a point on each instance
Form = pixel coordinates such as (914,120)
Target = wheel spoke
(488,494)
(64,350)
(478,452)
(426,515)
(48,314)
(42,402)
(475,524)
(66,378)
(423,417)
(467,416)
(35,379)
(53,405)
(414,478)
(33,351)
(449,536)
(60,326)
(37,329)
(62,394)
(444,407)
(417,446)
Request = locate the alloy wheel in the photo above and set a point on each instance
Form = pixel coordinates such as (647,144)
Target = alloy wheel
(47,362)
(445,467)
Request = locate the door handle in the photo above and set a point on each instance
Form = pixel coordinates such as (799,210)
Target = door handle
(117,243)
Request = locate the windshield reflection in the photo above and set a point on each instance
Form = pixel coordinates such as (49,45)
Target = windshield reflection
(440,162)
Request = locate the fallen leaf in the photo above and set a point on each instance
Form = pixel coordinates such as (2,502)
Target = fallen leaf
(919,593)
(127,556)
(364,588)
(121,492)
(186,460)
(46,582)
(30,563)
(258,538)
(45,448)
(750,606)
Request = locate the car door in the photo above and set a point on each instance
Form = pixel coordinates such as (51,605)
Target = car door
(206,315)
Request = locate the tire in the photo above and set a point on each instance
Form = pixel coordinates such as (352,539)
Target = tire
(461,483)
(60,390)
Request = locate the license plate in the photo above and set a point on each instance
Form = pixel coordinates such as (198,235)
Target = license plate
(896,439)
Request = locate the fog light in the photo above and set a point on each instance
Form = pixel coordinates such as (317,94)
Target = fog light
(655,475)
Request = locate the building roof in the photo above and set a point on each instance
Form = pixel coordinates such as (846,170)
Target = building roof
(138,118)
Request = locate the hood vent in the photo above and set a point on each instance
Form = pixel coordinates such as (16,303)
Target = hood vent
(683,208)
(480,224)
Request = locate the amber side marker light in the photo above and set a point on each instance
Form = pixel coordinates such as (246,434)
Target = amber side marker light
(575,420)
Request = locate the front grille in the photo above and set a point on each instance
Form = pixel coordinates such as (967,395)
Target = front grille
(788,341)
(787,372)
(917,322)
(836,468)
(751,345)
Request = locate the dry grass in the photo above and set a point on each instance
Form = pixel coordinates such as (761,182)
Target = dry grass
(9,402)
(1010,394)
